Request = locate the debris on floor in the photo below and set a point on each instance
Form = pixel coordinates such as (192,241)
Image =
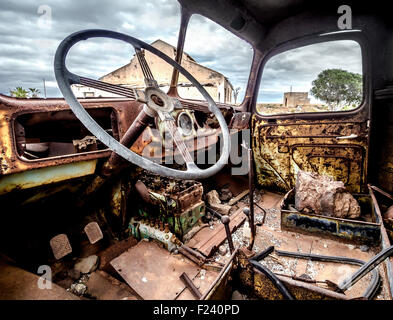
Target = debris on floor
(225,194)
(325,196)
(236,295)
(78,288)
(222,250)
(86,265)
(214,202)
(130,270)
(102,286)
(246,230)
(238,197)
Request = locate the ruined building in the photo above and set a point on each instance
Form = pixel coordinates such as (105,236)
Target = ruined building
(294,99)
(130,75)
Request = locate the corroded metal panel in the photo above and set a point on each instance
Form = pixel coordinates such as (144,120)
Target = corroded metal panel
(337,148)
(126,111)
(154,273)
(385,241)
(346,229)
(262,287)
(44,176)
(357,231)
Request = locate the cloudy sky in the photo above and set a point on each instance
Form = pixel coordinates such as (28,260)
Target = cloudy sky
(30,32)
(299,67)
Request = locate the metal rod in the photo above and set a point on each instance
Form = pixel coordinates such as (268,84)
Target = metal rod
(225,220)
(222,272)
(264,214)
(374,282)
(190,285)
(385,238)
(366,268)
(251,188)
(263,254)
(273,278)
(185,17)
(381,191)
(214,212)
(182,290)
(185,253)
(194,252)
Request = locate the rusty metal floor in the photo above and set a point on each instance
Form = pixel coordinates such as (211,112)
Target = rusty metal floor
(153,272)
(270,234)
(19,284)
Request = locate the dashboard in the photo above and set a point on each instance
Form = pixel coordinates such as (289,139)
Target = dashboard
(36,133)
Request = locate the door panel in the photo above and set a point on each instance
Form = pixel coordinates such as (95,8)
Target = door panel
(284,146)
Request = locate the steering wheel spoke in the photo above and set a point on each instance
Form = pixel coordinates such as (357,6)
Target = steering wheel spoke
(149,78)
(112,88)
(181,146)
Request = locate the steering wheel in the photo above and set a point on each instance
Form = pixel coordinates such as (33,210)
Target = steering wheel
(156,104)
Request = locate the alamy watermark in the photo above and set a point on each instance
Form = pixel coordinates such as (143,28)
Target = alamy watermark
(45,17)
(345,20)
(45,280)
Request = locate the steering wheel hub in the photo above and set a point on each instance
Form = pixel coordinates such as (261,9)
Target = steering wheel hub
(159,102)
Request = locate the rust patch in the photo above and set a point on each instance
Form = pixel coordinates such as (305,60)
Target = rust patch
(284,146)
(126,111)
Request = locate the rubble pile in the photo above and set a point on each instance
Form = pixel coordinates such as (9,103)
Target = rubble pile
(323,195)
(214,202)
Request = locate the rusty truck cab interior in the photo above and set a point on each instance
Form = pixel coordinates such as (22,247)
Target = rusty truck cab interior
(177,191)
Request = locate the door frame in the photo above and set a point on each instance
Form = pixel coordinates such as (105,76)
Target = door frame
(361,113)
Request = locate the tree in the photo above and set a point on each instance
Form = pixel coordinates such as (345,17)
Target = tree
(338,88)
(19,92)
(236,93)
(33,92)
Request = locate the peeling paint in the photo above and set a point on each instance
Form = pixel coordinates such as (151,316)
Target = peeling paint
(44,176)
(283,147)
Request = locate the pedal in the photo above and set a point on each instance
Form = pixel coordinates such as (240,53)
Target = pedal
(93,232)
(60,246)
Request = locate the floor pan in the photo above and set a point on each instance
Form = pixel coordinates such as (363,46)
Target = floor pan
(154,273)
